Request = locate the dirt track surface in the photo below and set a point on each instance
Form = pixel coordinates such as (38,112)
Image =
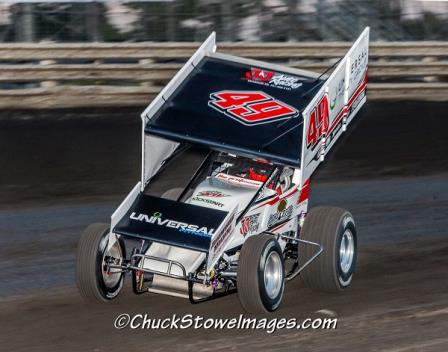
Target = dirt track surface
(391,172)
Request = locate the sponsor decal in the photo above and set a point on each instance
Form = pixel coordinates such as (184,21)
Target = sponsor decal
(318,122)
(208,201)
(272,79)
(283,213)
(212,194)
(221,239)
(281,205)
(239,181)
(250,107)
(157,219)
(249,224)
(358,64)
(337,93)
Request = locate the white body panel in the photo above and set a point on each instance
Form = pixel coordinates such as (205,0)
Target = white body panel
(339,99)
(217,194)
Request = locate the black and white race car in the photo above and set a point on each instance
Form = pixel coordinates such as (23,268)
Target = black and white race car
(237,140)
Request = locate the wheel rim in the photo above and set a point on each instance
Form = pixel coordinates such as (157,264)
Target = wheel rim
(273,278)
(112,276)
(346,251)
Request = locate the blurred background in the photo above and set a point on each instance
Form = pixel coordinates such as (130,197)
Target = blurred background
(233,20)
(67,54)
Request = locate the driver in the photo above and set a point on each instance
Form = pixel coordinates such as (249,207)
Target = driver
(258,175)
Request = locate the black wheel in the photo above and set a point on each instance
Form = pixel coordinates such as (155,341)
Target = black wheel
(334,229)
(261,274)
(94,281)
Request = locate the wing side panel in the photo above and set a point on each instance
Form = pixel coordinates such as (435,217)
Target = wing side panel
(334,106)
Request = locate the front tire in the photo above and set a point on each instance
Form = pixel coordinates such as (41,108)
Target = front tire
(333,228)
(94,281)
(261,274)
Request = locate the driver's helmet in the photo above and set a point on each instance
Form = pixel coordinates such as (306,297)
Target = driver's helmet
(258,175)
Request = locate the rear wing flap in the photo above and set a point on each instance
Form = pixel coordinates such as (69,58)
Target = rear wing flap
(334,106)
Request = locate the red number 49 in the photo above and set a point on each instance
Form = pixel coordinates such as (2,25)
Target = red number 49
(250,108)
(318,122)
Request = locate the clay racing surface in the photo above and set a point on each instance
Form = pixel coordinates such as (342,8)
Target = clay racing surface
(62,170)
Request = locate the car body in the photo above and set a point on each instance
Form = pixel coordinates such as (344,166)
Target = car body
(236,141)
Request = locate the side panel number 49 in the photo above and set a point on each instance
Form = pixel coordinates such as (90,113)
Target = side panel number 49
(318,122)
(250,107)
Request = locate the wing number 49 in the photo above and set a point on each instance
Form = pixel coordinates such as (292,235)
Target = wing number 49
(250,107)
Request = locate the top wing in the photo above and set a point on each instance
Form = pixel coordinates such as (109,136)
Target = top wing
(228,103)
(232,106)
(254,109)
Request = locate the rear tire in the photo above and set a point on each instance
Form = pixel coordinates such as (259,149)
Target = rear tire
(93,281)
(333,228)
(261,274)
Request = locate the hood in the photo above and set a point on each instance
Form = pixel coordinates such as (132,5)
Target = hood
(222,195)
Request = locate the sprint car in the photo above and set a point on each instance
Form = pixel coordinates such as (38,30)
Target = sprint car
(228,150)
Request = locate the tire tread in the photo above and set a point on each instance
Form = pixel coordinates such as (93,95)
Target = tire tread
(248,291)
(86,262)
(320,226)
